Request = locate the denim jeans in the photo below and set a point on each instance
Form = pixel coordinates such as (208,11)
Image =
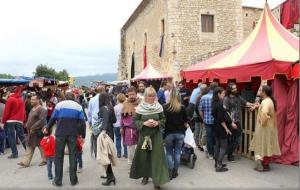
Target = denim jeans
(12,129)
(210,138)
(79,159)
(2,140)
(50,161)
(60,143)
(174,144)
(119,141)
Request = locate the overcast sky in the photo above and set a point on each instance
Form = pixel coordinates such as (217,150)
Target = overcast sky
(82,36)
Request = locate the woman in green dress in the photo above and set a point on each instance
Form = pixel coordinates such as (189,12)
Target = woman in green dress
(149,160)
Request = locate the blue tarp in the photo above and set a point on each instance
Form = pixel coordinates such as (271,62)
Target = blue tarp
(13,81)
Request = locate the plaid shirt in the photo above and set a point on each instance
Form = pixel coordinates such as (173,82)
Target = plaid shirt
(205,106)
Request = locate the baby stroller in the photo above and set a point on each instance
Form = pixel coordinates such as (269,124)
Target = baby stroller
(188,156)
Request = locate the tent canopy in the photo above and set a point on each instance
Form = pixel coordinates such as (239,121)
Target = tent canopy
(270,49)
(149,73)
(13,81)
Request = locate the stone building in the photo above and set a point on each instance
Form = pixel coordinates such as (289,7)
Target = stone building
(172,34)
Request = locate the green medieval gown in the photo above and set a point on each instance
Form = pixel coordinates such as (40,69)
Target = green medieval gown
(150,163)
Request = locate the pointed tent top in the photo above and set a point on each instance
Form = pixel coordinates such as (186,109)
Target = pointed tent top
(150,73)
(269,41)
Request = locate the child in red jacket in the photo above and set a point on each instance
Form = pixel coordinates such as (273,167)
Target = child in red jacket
(48,146)
(79,145)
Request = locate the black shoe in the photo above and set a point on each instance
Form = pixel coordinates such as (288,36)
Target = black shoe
(145,181)
(109,181)
(223,165)
(103,177)
(55,184)
(12,156)
(73,184)
(201,149)
(157,187)
(175,173)
(231,158)
(221,169)
(125,156)
(119,155)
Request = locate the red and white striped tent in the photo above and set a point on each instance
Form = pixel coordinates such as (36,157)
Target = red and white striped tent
(150,73)
(269,50)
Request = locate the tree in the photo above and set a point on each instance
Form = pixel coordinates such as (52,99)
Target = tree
(45,71)
(48,72)
(6,76)
(63,75)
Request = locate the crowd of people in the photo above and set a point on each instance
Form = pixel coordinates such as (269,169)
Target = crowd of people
(145,126)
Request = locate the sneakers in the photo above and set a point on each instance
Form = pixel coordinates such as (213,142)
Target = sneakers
(12,156)
(125,156)
(119,155)
(50,177)
(210,157)
(79,170)
(55,184)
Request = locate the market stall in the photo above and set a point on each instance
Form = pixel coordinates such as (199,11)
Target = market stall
(269,53)
(151,76)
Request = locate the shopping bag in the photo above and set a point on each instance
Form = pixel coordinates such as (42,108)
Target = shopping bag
(189,138)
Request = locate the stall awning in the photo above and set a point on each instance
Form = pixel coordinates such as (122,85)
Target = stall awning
(270,49)
(150,73)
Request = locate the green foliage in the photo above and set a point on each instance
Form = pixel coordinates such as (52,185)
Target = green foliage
(6,76)
(48,72)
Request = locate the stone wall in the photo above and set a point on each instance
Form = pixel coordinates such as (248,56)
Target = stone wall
(184,42)
(185,23)
(149,22)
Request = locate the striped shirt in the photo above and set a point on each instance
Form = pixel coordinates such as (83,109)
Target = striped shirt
(69,118)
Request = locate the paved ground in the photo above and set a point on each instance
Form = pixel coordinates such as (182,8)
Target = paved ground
(241,175)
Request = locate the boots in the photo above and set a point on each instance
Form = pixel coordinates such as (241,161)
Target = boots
(175,173)
(259,166)
(109,181)
(170,174)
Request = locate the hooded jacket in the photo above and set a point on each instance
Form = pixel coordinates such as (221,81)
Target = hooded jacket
(14,108)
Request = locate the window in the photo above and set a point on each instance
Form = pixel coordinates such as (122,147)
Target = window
(162,26)
(145,39)
(207,23)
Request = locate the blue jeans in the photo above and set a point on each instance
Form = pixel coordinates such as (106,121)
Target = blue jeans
(210,138)
(79,159)
(118,141)
(49,166)
(11,129)
(2,140)
(174,144)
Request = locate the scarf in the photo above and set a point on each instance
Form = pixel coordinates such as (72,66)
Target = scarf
(129,107)
(145,108)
